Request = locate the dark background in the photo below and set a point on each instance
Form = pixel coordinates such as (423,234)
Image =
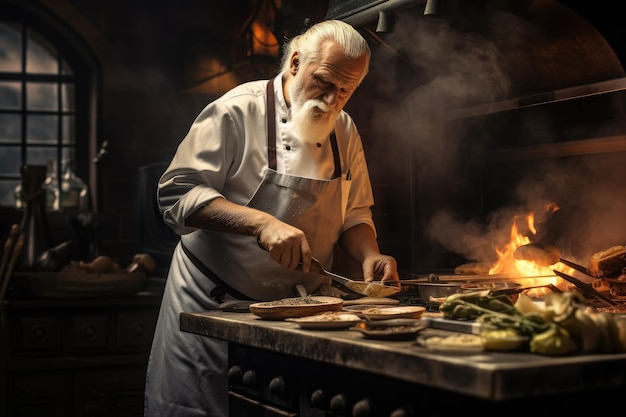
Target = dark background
(156,76)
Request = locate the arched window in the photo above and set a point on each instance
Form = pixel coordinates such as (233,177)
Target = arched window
(46,91)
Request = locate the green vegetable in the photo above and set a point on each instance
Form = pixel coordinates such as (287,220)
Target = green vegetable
(555,341)
(560,327)
(473,304)
(583,330)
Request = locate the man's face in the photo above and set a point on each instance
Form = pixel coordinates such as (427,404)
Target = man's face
(320,90)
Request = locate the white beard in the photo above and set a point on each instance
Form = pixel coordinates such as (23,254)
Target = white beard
(313,119)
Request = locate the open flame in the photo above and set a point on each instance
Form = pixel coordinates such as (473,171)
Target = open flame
(533,273)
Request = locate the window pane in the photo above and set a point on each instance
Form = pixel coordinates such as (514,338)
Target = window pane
(11,47)
(7,189)
(69,154)
(66,69)
(41,129)
(41,96)
(36,155)
(41,56)
(10,160)
(68,97)
(10,128)
(68,133)
(10,95)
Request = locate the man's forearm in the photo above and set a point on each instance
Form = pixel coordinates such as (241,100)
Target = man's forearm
(221,215)
(359,242)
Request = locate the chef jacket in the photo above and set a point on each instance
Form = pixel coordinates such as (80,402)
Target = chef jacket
(225,155)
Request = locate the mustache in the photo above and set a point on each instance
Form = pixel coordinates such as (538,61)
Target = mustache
(316,104)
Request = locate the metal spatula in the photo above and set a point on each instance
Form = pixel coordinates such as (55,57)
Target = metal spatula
(369,289)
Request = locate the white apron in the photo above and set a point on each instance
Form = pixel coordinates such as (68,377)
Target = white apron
(187,373)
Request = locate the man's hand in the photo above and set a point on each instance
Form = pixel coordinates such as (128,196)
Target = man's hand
(360,244)
(380,267)
(286,244)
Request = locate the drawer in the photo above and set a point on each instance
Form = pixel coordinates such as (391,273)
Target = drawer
(38,334)
(135,330)
(88,333)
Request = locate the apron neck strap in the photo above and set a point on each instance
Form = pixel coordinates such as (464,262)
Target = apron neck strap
(271,125)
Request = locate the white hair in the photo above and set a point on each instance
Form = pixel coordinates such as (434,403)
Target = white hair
(309,43)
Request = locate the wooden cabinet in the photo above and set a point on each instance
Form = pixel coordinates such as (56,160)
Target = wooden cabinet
(76,357)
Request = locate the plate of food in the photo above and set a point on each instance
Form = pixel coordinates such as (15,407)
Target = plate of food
(330,320)
(393,329)
(456,343)
(295,307)
(399,312)
(358,309)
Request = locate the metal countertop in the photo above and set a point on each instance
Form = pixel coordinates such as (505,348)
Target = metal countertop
(494,376)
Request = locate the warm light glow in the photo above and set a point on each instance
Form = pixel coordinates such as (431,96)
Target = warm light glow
(263,40)
(517,268)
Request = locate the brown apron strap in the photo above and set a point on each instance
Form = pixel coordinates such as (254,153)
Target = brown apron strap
(221,288)
(333,144)
(271,126)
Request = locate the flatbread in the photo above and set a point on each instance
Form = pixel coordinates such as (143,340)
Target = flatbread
(372,301)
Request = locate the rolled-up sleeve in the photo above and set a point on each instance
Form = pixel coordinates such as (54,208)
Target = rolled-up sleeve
(222,155)
(196,174)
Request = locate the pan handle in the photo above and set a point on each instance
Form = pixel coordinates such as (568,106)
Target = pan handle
(586,288)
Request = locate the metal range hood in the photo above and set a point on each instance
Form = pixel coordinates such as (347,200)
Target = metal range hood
(361,12)
(548,47)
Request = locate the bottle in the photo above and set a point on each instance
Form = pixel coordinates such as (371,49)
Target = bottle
(18,196)
(74,191)
(34,224)
(51,185)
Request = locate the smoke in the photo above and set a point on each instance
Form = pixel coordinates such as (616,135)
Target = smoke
(436,65)
(591,198)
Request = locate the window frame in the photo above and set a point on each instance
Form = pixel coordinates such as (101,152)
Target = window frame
(72,49)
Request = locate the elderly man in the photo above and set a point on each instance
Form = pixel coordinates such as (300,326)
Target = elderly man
(270,175)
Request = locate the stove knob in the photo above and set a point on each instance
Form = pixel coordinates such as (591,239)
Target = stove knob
(249,378)
(363,408)
(277,386)
(319,399)
(235,375)
(402,412)
(339,404)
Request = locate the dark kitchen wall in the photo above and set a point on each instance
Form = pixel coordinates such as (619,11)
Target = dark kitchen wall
(161,63)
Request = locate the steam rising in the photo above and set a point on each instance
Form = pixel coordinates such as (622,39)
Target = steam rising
(446,64)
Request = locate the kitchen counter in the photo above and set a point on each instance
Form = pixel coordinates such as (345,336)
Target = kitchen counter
(491,377)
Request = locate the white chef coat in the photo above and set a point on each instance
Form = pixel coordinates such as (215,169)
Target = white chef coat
(187,373)
(213,160)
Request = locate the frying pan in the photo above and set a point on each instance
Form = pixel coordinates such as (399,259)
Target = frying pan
(544,254)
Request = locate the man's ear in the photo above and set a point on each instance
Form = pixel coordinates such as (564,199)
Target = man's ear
(295,63)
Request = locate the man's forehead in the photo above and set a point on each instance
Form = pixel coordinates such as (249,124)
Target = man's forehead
(335,64)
